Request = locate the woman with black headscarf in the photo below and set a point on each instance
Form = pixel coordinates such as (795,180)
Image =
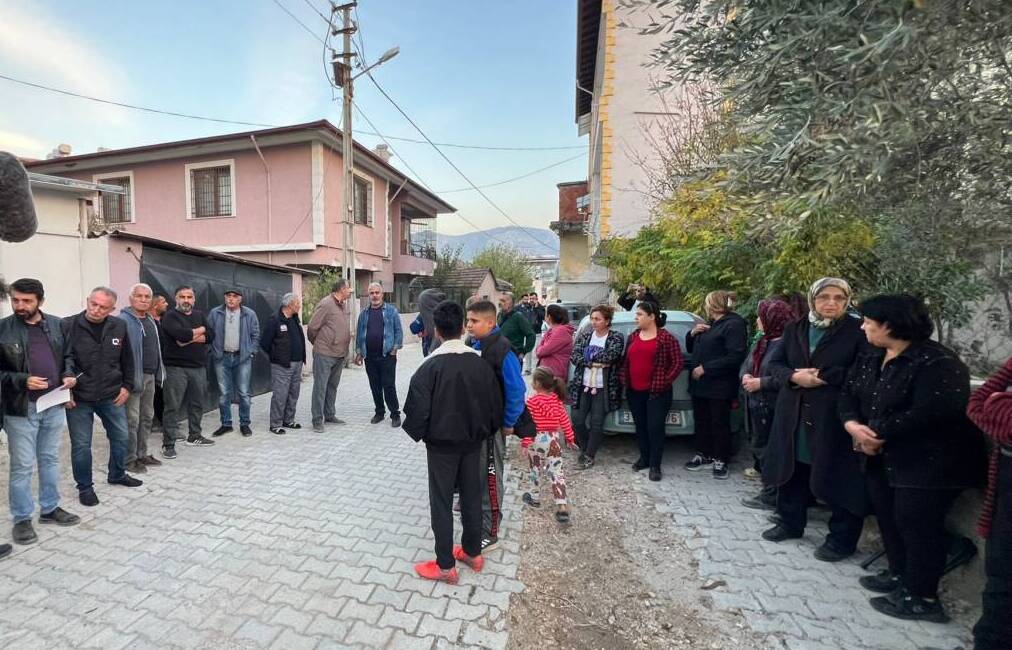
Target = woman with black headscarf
(809,451)
(761,385)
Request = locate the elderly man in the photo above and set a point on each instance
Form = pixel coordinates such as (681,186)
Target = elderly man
(285,345)
(236,342)
(146,347)
(184,350)
(100,357)
(33,361)
(329,331)
(515,326)
(379,337)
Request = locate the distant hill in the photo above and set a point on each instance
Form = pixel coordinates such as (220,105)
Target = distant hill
(533,241)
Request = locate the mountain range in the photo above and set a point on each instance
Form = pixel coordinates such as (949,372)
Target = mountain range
(533,241)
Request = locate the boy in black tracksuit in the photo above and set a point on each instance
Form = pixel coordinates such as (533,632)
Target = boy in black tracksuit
(454,404)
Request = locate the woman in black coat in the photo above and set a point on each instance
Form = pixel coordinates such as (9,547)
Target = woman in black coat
(904,405)
(761,386)
(809,452)
(718,349)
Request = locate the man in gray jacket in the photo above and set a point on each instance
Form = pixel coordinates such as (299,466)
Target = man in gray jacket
(236,341)
(329,331)
(146,346)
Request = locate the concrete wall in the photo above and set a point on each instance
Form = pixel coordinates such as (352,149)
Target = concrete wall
(68,265)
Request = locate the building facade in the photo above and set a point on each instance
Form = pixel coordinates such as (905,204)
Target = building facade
(618,104)
(273,196)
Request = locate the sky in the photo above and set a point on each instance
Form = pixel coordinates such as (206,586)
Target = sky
(475,72)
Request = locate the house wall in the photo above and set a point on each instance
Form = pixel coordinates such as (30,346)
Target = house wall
(68,265)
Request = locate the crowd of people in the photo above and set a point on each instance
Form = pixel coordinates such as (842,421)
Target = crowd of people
(149,364)
(854,407)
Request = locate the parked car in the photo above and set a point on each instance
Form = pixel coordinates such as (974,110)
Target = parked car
(577,310)
(680,421)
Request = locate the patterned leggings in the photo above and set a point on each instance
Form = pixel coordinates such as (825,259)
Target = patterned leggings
(545,456)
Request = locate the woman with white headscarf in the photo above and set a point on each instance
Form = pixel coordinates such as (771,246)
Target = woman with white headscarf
(809,451)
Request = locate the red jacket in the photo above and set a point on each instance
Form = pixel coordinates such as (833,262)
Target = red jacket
(990,408)
(668,362)
(549,415)
(554,350)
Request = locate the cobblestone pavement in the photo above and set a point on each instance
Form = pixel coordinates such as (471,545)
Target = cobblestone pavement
(780,589)
(298,541)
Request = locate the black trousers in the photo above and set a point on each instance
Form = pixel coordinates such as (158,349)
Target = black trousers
(912,521)
(649,414)
(465,471)
(592,408)
(382,373)
(994,629)
(793,498)
(713,427)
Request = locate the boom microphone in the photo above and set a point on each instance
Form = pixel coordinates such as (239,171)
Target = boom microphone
(17,208)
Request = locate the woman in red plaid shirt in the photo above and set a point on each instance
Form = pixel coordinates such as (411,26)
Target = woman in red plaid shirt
(653,360)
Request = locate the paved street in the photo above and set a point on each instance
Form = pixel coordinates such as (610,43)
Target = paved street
(307,541)
(298,541)
(780,589)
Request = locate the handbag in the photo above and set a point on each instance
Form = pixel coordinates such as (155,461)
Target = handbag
(525,428)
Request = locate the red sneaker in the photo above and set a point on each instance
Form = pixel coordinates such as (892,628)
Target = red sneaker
(431,571)
(476,563)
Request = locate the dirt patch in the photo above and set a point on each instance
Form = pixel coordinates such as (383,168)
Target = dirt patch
(617,576)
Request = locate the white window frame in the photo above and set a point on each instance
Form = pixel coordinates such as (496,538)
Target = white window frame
(190,167)
(98,178)
(370,203)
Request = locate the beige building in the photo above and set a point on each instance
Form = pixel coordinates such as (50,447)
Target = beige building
(617,105)
(60,255)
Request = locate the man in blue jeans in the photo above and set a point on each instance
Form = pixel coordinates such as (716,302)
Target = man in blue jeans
(101,359)
(235,344)
(379,336)
(32,362)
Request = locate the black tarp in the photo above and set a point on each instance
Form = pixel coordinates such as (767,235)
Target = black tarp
(261,288)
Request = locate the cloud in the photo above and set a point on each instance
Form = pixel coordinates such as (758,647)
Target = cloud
(36,47)
(23,145)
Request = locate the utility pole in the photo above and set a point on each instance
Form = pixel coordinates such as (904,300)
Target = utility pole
(346,80)
(343,78)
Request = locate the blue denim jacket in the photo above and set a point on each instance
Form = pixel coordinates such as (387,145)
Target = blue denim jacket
(393,333)
(249,332)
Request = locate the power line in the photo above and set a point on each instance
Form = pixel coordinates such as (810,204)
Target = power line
(204,118)
(516,178)
(454,166)
(422,181)
(296,19)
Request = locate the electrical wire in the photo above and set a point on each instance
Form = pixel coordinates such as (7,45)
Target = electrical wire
(419,178)
(457,169)
(296,19)
(204,118)
(516,178)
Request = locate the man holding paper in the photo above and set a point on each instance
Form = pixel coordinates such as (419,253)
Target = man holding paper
(100,352)
(33,359)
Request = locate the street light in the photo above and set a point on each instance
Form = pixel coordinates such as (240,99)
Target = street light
(389,54)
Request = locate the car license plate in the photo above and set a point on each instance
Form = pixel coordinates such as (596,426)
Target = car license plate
(674,418)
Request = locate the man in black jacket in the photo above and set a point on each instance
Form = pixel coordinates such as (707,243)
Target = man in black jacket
(33,361)
(285,345)
(453,405)
(634,295)
(185,341)
(101,358)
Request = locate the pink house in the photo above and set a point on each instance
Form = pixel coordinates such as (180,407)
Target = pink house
(272,196)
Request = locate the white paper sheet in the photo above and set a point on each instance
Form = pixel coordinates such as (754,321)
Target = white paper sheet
(53,398)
